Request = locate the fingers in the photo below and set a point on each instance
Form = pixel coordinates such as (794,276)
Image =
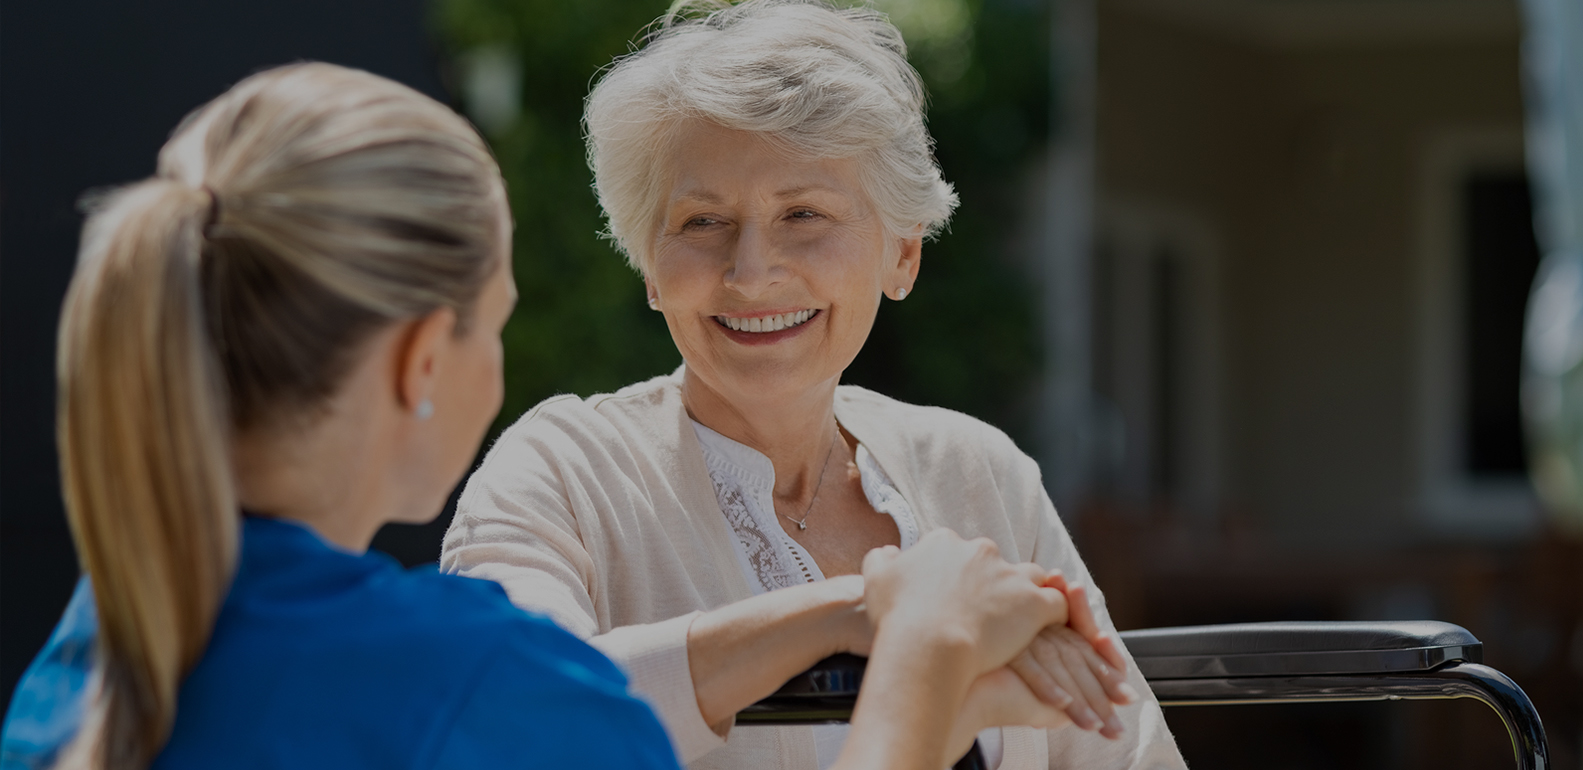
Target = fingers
(1079,671)
(1039,681)
(1080,618)
(1034,573)
(983,544)
(879,558)
(1050,661)
(1113,679)
(1055,580)
(1093,693)
(1081,615)
(1109,648)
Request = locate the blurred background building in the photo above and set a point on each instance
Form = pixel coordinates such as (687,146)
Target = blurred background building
(1312,254)
(1248,276)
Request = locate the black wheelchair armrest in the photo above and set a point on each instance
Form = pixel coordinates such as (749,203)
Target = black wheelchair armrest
(1299,649)
(824,694)
(1250,663)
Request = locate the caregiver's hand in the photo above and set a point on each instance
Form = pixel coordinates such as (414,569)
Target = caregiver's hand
(945,613)
(961,592)
(1000,698)
(1078,668)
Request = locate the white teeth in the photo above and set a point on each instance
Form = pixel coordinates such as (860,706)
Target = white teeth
(763,324)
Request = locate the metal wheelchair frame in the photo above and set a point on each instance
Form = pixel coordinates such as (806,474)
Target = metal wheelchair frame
(1250,663)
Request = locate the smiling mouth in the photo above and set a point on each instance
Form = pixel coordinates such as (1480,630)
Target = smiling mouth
(766,324)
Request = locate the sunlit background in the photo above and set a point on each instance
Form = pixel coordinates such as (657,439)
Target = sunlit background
(1249,277)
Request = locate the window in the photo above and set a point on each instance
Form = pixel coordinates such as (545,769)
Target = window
(1477,262)
(1156,359)
(1500,258)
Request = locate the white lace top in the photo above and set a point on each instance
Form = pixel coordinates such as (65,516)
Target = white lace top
(744,481)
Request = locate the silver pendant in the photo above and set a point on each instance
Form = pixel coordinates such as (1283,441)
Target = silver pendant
(801,525)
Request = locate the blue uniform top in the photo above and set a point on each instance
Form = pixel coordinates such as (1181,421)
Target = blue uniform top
(327,659)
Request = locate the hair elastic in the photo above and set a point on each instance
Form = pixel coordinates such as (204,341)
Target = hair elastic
(214,208)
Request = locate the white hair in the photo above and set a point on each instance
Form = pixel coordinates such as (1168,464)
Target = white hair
(822,82)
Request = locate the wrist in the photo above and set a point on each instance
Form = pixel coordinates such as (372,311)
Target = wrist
(846,622)
(915,685)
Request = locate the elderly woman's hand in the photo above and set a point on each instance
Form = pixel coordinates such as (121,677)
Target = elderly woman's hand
(1078,668)
(961,592)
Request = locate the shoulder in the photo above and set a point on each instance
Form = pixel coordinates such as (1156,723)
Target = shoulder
(929,431)
(380,674)
(599,421)
(366,623)
(438,631)
(48,702)
(956,470)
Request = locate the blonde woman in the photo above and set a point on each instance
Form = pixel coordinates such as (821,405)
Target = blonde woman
(766,169)
(289,337)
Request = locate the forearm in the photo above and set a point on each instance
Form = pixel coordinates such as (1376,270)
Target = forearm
(913,689)
(740,653)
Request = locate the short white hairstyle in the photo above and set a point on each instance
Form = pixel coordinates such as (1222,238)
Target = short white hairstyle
(821,82)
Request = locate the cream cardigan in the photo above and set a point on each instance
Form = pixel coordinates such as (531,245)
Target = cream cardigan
(601,515)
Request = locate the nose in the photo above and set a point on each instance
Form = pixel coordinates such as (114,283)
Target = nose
(756,264)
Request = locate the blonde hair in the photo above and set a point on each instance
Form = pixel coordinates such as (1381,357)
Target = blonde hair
(821,81)
(288,220)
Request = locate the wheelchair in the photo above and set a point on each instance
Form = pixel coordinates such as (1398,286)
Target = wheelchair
(1250,663)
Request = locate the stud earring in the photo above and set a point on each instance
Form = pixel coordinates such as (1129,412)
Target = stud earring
(901,294)
(654,303)
(425,409)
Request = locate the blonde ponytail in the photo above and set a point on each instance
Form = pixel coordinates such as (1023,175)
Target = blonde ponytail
(290,219)
(143,443)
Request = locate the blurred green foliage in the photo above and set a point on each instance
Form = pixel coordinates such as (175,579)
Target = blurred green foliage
(967,338)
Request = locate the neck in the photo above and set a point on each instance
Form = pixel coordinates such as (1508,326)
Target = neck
(330,476)
(796,433)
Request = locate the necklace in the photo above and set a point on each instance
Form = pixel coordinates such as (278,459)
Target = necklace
(802,523)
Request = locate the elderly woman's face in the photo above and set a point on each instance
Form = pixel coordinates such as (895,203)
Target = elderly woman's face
(769,270)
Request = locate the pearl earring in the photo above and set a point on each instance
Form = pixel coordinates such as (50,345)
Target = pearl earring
(654,303)
(425,409)
(901,294)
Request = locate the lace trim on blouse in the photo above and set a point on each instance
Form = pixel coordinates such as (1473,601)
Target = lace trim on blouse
(744,482)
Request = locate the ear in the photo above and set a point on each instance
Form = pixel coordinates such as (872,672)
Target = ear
(421,356)
(653,292)
(902,273)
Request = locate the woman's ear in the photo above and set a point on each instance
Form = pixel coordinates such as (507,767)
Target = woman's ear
(419,359)
(903,272)
(653,293)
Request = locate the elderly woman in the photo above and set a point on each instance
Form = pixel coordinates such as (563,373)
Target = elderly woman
(765,167)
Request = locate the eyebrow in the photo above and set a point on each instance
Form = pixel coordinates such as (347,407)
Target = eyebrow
(701,196)
(792,192)
(704,196)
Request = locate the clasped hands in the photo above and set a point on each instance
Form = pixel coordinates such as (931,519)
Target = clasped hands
(1040,657)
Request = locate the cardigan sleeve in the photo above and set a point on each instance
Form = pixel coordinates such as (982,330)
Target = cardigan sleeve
(516,524)
(1147,743)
